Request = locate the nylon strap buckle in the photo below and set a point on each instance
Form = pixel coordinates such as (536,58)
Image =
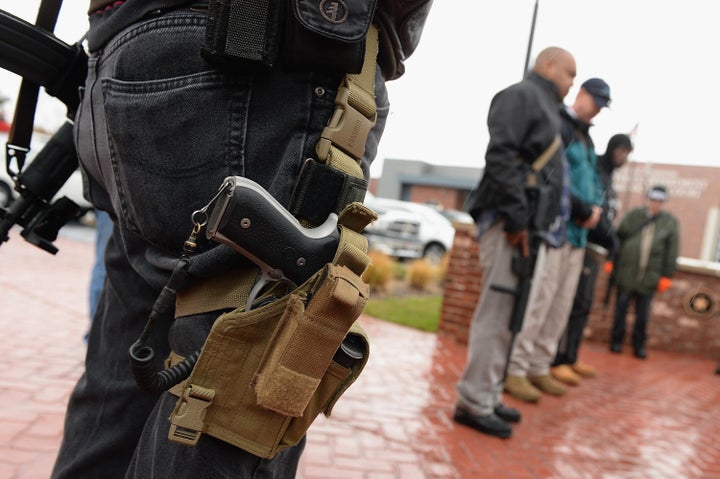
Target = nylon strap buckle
(348,128)
(188,420)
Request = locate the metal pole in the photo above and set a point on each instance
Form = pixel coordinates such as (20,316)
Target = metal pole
(530,40)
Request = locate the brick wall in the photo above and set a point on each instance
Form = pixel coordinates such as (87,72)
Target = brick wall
(674,325)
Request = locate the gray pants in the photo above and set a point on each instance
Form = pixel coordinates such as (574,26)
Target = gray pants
(480,387)
(557,272)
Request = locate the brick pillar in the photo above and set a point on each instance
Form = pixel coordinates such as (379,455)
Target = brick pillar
(462,284)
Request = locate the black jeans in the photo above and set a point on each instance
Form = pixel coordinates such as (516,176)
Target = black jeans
(157,131)
(642,313)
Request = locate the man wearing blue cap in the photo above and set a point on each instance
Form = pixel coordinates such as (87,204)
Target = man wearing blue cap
(558,272)
(599,90)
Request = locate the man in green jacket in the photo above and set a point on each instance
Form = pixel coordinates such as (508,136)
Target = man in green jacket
(645,263)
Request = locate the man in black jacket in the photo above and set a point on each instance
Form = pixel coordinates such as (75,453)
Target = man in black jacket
(523,123)
(602,241)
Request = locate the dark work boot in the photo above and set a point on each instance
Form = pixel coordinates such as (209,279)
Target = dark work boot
(640,352)
(509,414)
(616,347)
(490,424)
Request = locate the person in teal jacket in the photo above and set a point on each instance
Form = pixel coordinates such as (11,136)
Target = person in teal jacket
(585,184)
(645,263)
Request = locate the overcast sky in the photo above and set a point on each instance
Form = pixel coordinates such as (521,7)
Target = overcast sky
(658,58)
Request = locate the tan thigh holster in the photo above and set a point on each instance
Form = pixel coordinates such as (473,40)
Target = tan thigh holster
(264,375)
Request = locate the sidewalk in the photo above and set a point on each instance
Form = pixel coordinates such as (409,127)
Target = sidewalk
(658,418)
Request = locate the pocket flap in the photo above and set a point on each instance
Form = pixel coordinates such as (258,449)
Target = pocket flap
(342,20)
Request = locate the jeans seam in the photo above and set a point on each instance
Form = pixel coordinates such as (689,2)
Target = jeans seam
(155,24)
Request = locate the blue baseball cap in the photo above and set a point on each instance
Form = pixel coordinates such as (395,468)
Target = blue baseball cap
(599,90)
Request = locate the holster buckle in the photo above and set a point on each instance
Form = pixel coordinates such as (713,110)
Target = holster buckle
(348,128)
(188,418)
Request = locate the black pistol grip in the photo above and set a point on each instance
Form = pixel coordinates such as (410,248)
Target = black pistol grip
(253,223)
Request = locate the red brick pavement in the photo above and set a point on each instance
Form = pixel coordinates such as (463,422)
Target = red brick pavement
(638,419)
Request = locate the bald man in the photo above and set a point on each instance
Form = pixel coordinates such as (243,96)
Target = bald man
(524,125)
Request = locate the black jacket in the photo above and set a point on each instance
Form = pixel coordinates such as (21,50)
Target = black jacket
(523,121)
(604,233)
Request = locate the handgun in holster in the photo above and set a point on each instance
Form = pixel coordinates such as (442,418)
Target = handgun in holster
(268,368)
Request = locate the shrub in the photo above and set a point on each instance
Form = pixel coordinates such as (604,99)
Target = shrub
(399,270)
(421,274)
(380,271)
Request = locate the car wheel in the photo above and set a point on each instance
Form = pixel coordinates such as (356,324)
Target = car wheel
(434,252)
(6,196)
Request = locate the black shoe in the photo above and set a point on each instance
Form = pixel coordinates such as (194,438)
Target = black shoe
(640,353)
(490,424)
(508,414)
(616,348)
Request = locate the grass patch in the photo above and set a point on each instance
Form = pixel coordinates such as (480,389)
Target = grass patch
(421,312)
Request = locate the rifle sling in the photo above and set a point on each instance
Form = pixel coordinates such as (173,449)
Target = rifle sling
(18,143)
(545,156)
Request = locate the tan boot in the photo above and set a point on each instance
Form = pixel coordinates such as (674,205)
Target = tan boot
(584,370)
(547,384)
(565,374)
(520,388)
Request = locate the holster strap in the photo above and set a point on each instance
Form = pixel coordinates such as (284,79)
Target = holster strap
(351,251)
(341,146)
(224,291)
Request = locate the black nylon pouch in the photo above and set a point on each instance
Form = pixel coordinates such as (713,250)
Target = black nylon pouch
(327,35)
(242,33)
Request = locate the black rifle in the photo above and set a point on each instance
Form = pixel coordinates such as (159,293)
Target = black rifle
(40,218)
(523,267)
(41,58)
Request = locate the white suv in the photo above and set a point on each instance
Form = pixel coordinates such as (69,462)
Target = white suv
(408,230)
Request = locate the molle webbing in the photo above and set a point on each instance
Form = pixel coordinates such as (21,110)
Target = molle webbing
(341,147)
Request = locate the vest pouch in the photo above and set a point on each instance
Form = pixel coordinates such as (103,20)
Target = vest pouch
(327,36)
(242,34)
(249,355)
(336,380)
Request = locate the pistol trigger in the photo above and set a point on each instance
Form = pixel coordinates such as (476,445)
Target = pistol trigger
(265,277)
(257,287)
